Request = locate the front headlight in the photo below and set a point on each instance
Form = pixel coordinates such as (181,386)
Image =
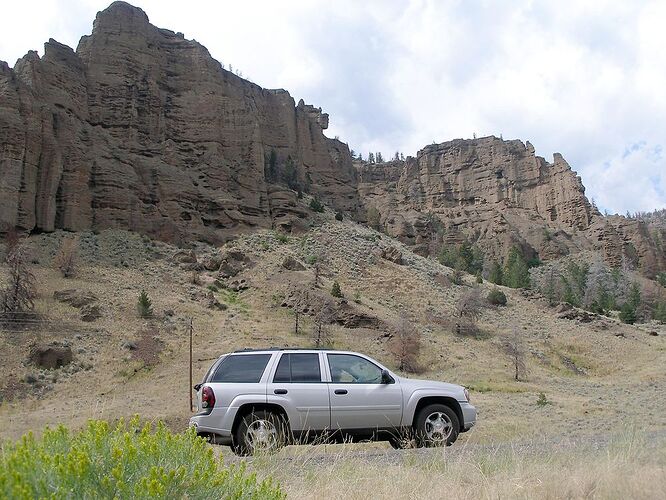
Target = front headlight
(466,394)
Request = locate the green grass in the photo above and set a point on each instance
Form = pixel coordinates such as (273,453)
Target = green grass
(486,386)
(122,461)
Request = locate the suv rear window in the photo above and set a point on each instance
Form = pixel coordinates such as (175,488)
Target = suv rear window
(298,368)
(245,368)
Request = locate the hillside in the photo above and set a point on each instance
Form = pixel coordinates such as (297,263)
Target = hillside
(593,373)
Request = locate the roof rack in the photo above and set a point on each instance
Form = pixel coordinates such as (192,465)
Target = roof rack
(284,349)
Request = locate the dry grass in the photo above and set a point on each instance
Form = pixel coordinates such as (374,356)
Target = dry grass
(632,465)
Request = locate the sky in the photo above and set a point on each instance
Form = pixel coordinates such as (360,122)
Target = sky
(583,78)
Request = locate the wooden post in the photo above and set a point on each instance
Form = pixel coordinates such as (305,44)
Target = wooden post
(189,388)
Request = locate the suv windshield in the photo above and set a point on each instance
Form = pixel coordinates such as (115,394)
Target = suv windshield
(243,368)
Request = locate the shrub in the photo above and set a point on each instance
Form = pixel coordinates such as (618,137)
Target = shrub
(357,296)
(316,205)
(406,346)
(336,291)
(542,400)
(124,461)
(479,278)
(282,238)
(67,257)
(19,293)
(497,297)
(374,218)
(311,259)
(144,305)
(628,314)
(338,216)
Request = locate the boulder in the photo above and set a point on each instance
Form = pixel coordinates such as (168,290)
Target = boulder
(50,356)
(75,298)
(90,313)
(291,264)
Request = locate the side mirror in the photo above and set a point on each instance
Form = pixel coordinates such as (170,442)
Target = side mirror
(386,377)
(197,387)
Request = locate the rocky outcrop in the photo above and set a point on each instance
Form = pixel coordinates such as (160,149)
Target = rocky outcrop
(142,129)
(498,194)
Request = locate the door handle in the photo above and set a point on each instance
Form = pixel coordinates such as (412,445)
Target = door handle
(341,391)
(280,391)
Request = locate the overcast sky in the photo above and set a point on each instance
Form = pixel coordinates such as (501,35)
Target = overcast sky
(586,79)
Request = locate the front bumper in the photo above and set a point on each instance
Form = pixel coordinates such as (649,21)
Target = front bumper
(469,416)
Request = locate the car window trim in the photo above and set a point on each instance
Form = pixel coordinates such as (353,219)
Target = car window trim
(277,363)
(233,355)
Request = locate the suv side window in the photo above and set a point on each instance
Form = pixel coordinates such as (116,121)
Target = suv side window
(350,369)
(298,368)
(244,368)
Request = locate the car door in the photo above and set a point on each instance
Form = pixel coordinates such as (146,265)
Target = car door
(297,386)
(359,399)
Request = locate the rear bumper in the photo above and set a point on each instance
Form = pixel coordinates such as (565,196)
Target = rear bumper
(469,416)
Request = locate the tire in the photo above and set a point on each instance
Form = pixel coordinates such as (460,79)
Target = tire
(436,425)
(259,432)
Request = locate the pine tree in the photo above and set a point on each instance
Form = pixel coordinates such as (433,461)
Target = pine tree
(379,157)
(144,305)
(371,158)
(336,291)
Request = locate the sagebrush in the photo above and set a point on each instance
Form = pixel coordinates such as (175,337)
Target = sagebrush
(122,461)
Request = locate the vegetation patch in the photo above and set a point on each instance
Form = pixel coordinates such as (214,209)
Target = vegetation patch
(123,461)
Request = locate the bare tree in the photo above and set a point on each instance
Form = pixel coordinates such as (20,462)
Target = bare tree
(319,261)
(468,311)
(406,345)
(301,298)
(516,350)
(67,257)
(19,294)
(321,335)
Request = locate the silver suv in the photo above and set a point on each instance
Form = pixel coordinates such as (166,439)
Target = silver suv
(258,400)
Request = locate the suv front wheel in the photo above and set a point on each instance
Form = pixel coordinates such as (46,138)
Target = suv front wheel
(436,425)
(259,432)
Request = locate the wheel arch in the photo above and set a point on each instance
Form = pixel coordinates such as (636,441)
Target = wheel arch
(248,408)
(443,400)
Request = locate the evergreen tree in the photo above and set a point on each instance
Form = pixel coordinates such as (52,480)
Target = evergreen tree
(270,166)
(496,274)
(144,305)
(516,273)
(371,158)
(291,174)
(379,157)
(336,291)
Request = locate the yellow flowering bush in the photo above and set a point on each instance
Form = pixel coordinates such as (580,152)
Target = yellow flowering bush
(122,462)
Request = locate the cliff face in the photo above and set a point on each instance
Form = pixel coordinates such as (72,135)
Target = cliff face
(498,194)
(140,128)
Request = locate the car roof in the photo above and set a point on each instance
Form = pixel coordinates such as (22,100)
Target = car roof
(273,349)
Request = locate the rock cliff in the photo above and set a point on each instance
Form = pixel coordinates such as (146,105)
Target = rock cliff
(142,129)
(498,194)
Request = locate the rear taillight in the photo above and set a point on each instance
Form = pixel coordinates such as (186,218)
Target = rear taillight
(207,398)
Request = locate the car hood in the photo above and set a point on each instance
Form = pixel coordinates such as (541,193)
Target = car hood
(453,390)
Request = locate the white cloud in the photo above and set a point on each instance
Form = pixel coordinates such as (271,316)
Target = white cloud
(582,78)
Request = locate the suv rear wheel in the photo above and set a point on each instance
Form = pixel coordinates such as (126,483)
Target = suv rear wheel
(436,425)
(259,432)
